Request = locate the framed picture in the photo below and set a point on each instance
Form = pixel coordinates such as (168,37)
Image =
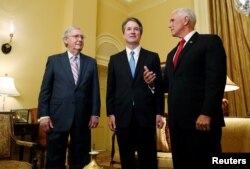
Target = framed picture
(20,115)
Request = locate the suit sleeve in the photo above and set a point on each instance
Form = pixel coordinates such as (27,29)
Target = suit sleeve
(96,103)
(110,88)
(45,91)
(158,89)
(215,69)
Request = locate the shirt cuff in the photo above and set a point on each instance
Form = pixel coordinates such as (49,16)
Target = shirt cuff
(44,117)
(152,89)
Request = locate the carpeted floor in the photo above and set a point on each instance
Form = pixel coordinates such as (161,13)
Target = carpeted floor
(104,158)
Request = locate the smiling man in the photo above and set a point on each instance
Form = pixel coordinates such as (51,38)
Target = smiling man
(134,109)
(69,102)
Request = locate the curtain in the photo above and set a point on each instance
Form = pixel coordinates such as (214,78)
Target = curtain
(234,30)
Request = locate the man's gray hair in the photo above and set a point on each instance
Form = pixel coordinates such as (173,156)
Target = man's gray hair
(68,31)
(187,12)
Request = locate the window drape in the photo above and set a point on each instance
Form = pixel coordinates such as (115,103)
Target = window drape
(234,29)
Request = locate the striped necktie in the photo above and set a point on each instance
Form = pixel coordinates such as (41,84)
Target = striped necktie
(74,68)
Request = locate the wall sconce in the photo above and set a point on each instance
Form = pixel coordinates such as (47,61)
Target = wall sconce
(6,48)
(7,88)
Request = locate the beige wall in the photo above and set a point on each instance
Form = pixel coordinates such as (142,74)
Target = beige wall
(38,29)
(39,26)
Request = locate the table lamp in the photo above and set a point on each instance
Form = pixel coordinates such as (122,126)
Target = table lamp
(7,88)
(230,86)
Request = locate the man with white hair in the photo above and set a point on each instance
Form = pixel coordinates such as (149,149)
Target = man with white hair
(194,78)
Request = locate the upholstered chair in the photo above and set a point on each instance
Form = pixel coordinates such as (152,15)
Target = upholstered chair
(8,140)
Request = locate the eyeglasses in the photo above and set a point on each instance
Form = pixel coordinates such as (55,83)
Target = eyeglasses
(77,36)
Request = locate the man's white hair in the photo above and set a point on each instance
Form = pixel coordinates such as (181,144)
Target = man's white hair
(187,12)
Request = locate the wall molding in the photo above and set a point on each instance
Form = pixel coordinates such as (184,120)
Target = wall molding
(107,45)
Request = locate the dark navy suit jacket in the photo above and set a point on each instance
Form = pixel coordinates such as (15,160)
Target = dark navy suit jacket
(64,101)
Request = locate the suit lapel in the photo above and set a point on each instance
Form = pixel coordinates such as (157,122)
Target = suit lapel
(140,62)
(125,62)
(66,66)
(188,45)
(83,67)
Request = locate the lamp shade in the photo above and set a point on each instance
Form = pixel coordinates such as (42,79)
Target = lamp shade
(7,86)
(230,85)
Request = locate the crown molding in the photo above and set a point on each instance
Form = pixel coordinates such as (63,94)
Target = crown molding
(142,5)
(116,5)
(132,7)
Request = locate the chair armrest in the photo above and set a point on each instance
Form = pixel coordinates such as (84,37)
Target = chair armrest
(23,143)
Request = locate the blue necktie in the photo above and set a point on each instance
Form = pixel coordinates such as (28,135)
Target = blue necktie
(132,63)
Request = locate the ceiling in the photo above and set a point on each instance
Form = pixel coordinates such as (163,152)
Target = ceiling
(128,1)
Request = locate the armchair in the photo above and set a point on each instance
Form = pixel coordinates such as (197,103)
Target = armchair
(8,140)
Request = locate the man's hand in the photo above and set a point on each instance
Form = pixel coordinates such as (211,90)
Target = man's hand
(149,76)
(111,122)
(203,123)
(46,124)
(159,121)
(93,122)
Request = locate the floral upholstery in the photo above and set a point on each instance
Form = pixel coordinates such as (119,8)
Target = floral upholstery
(163,138)
(9,164)
(5,145)
(236,135)
(5,139)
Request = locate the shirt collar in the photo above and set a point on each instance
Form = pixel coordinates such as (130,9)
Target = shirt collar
(136,50)
(189,35)
(70,55)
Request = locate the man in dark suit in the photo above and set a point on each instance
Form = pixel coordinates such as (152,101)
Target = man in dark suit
(133,108)
(195,84)
(69,102)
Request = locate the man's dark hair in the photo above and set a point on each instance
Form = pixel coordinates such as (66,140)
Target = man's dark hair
(132,19)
